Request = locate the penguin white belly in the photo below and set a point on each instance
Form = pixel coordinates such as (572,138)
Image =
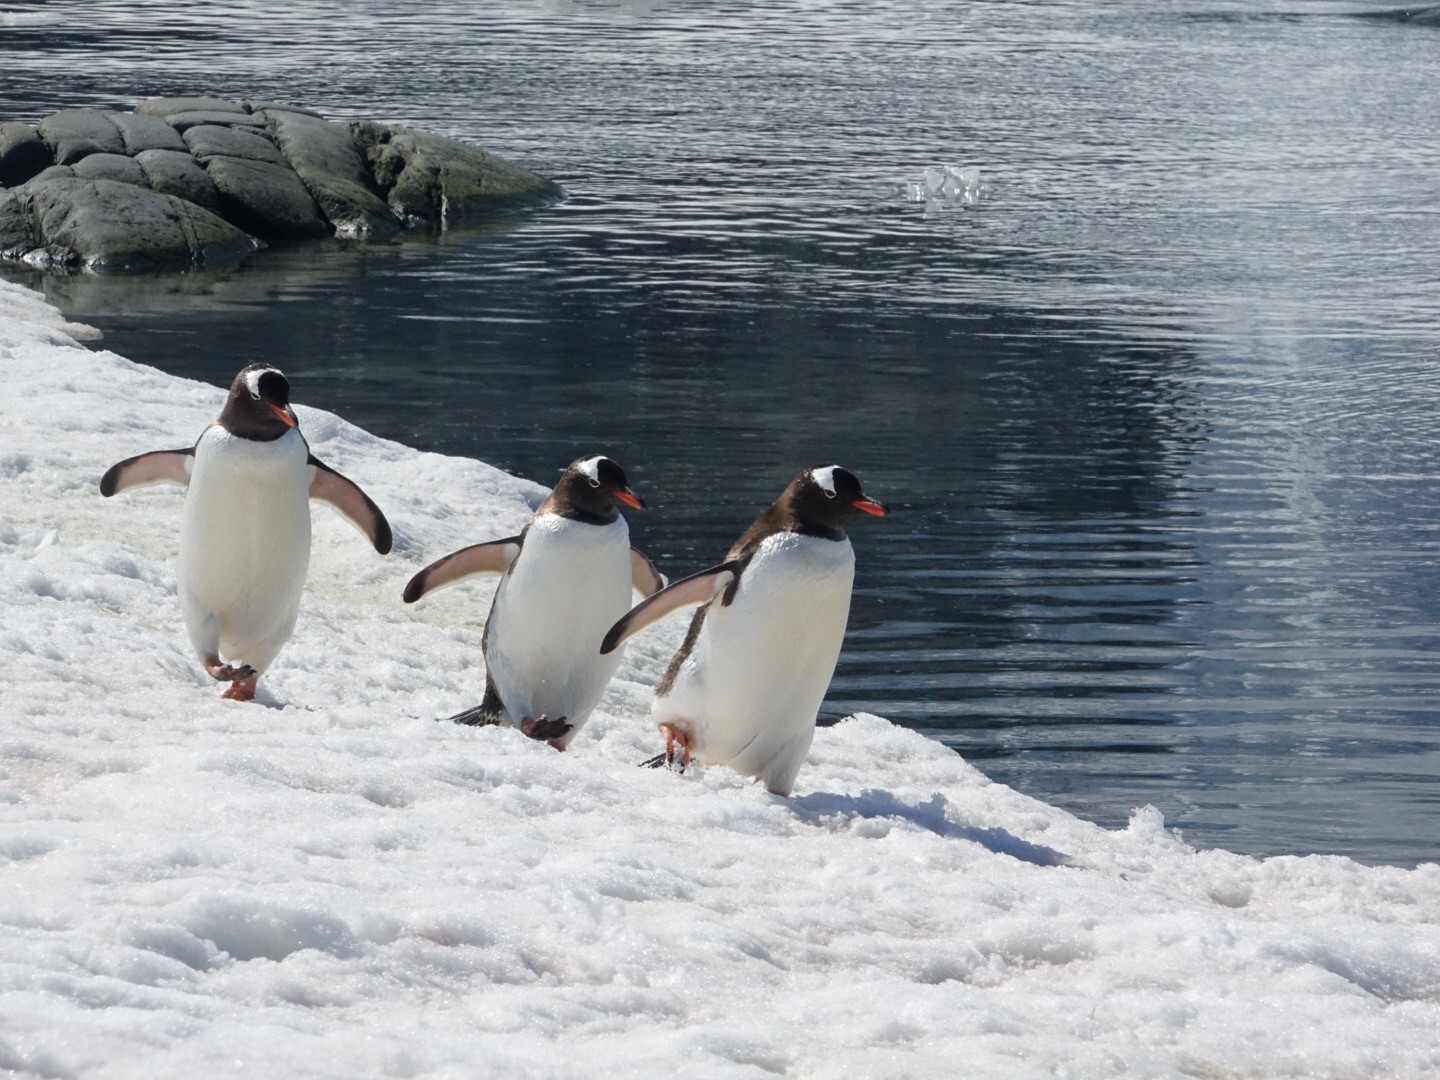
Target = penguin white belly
(566,588)
(750,690)
(244,545)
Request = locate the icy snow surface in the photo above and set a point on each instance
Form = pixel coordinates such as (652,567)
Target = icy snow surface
(331,884)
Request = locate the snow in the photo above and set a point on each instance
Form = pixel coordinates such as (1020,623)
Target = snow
(331,884)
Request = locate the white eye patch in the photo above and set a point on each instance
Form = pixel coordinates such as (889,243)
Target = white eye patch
(252,381)
(825,480)
(590,467)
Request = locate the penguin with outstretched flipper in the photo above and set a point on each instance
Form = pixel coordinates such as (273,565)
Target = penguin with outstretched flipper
(245,527)
(565,579)
(745,687)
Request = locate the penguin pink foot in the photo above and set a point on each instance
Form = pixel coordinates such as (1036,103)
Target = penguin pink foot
(677,747)
(241,689)
(242,678)
(543,729)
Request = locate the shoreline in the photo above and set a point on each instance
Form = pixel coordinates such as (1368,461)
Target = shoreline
(338,884)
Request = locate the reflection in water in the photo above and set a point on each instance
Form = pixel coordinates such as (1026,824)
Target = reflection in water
(1156,410)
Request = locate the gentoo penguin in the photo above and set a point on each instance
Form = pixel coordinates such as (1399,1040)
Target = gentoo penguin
(565,579)
(245,528)
(745,687)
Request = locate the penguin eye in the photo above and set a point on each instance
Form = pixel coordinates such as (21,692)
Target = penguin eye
(594,482)
(828,494)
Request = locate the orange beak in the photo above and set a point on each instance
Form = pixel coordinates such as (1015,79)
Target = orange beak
(868,506)
(284,414)
(629,498)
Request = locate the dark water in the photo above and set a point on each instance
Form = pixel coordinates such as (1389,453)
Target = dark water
(1158,412)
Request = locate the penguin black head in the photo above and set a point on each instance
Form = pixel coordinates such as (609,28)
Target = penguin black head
(590,488)
(827,496)
(258,407)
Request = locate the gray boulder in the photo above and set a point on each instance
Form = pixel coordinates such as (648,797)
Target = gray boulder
(277,106)
(22,154)
(327,160)
(428,178)
(141,133)
(267,200)
(178,174)
(105,225)
(14,224)
(181,121)
(208,140)
(118,167)
(54,172)
(169,106)
(272,170)
(76,133)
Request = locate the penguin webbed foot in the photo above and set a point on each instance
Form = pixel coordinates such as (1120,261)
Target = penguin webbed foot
(543,729)
(242,689)
(229,672)
(676,757)
(241,677)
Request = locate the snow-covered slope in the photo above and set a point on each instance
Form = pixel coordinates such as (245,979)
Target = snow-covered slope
(337,886)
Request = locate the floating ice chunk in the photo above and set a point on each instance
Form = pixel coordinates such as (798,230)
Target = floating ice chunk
(947,185)
(30,18)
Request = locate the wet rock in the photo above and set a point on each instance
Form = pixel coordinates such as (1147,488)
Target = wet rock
(117,167)
(181,121)
(141,133)
(169,106)
(325,157)
(76,133)
(1423,16)
(15,234)
(267,200)
(278,106)
(208,140)
(174,173)
(270,169)
(22,154)
(54,172)
(428,178)
(106,225)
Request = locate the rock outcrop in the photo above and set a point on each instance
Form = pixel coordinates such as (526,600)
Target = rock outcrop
(22,154)
(429,178)
(108,225)
(183,182)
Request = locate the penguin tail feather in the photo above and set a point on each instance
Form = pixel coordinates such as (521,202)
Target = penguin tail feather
(481,715)
(489,713)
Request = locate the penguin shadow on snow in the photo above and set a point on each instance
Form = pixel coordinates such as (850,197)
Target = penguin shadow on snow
(822,807)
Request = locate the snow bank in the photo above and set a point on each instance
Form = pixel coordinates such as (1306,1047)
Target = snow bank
(336,886)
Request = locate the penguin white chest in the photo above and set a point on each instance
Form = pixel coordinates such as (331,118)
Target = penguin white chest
(245,544)
(751,687)
(567,587)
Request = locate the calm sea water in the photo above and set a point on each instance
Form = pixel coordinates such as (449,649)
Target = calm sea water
(1158,413)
